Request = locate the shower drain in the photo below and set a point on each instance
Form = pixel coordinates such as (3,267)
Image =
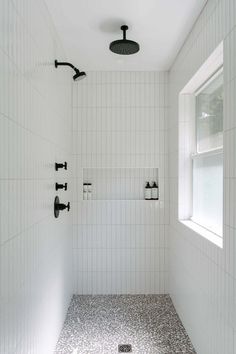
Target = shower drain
(124,348)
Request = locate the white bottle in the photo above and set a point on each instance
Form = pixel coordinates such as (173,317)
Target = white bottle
(154,191)
(85,191)
(148,192)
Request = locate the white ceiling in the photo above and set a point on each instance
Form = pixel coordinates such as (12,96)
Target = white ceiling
(87,27)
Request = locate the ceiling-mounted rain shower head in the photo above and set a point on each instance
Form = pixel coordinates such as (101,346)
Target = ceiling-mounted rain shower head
(124,46)
(79,75)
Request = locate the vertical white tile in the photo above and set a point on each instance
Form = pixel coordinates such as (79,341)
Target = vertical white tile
(121,147)
(35,130)
(201,275)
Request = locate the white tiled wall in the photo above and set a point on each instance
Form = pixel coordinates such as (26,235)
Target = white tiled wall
(202,275)
(35,125)
(120,121)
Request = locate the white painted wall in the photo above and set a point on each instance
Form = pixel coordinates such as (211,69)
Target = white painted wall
(202,275)
(35,124)
(120,121)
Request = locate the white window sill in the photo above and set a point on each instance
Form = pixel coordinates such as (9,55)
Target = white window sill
(210,236)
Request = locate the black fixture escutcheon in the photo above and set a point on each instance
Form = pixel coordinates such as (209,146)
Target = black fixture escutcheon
(59,206)
(61,186)
(60,165)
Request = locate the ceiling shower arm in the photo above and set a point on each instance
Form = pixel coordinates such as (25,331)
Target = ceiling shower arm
(124,28)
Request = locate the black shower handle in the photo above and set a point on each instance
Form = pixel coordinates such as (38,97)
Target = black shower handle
(61,165)
(61,206)
(61,186)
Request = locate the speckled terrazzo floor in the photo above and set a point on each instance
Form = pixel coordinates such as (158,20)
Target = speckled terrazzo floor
(97,324)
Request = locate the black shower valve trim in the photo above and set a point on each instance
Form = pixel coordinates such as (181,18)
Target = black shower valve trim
(60,186)
(60,165)
(59,206)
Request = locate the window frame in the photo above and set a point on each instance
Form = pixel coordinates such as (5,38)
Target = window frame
(218,150)
(187,151)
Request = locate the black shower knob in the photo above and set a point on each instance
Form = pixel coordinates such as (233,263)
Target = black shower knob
(61,186)
(61,206)
(60,165)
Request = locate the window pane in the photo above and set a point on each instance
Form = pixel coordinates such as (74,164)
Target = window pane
(208,192)
(209,116)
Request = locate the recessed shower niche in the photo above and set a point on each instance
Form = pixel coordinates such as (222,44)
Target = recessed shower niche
(118,183)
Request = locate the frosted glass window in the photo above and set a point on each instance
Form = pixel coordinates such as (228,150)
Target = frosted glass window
(208,192)
(207,207)
(209,114)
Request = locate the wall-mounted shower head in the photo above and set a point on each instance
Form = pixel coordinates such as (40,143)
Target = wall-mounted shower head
(79,75)
(124,46)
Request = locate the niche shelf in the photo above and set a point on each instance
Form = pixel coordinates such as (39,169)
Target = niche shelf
(119,183)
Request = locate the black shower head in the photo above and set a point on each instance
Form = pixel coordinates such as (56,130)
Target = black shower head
(79,75)
(124,46)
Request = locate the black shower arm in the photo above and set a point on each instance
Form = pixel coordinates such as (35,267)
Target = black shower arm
(57,63)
